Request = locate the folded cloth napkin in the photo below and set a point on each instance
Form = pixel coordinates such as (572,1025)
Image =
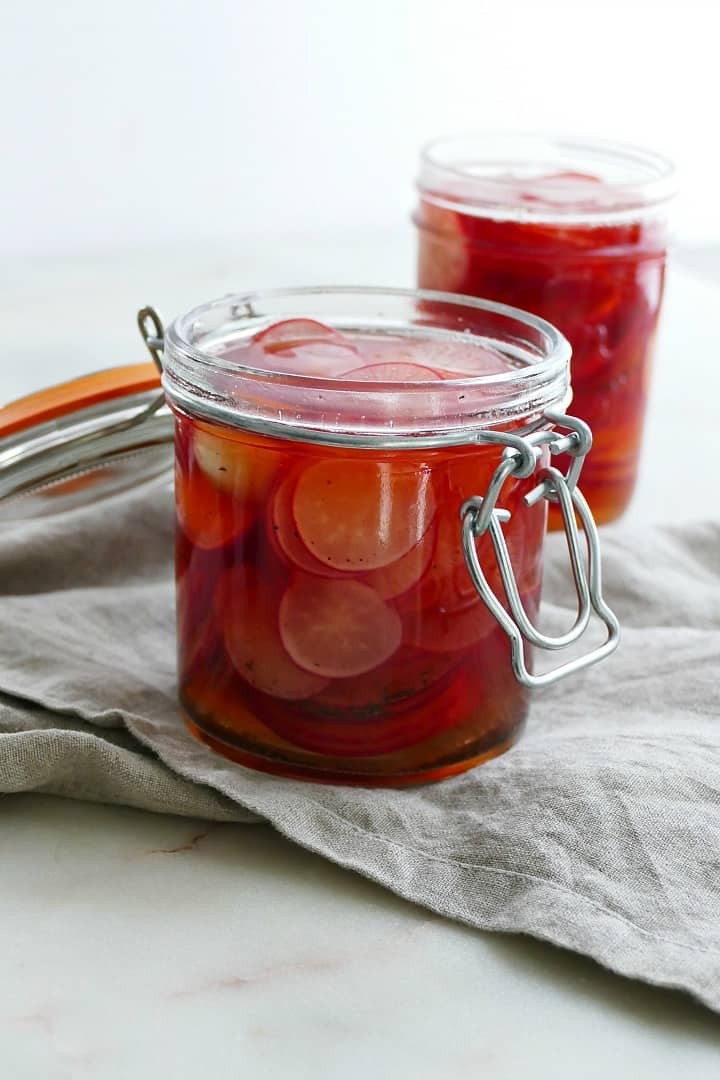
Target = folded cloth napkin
(599,831)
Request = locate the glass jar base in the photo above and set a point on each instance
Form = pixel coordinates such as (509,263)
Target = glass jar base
(322,774)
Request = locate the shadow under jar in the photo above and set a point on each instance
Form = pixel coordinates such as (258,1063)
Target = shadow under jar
(571,230)
(327,442)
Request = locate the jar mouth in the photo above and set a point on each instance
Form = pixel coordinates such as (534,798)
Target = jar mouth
(199,380)
(534,177)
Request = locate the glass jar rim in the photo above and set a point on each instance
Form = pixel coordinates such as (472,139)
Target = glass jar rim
(460,172)
(308,408)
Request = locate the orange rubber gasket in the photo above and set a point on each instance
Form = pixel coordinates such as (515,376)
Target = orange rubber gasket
(56,401)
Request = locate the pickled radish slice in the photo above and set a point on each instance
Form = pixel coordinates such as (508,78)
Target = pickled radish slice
(470,363)
(359,515)
(418,359)
(242,470)
(574,178)
(337,628)
(290,333)
(285,532)
(443,258)
(209,517)
(361,737)
(560,187)
(408,674)
(455,359)
(398,577)
(393,373)
(253,642)
(367,728)
(446,583)
(220,701)
(439,630)
(199,636)
(303,347)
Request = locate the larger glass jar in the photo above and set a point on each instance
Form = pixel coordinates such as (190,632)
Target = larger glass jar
(576,232)
(337,579)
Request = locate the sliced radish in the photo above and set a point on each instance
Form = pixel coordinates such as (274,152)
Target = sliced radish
(303,347)
(362,737)
(319,359)
(337,628)
(285,533)
(254,646)
(427,358)
(184,552)
(225,704)
(398,577)
(239,468)
(446,583)
(341,724)
(453,358)
(201,649)
(208,516)
(293,332)
(360,515)
(408,673)
(444,258)
(439,630)
(557,188)
(393,373)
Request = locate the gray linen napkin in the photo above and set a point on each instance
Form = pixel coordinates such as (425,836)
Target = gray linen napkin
(599,831)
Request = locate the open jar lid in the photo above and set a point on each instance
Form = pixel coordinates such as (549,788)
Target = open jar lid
(81,441)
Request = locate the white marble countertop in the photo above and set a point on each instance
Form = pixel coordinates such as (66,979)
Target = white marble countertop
(139,946)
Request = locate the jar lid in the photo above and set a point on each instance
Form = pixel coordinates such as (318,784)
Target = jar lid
(76,443)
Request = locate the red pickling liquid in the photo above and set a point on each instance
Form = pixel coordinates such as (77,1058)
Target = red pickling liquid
(328,627)
(601,285)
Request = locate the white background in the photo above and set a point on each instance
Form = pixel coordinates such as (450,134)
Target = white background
(143,123)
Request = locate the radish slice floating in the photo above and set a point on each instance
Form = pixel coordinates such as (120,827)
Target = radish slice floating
(237,468)
(337,628)
(411,359)
(393,373)
(303,347)
(253,643)
(290,333)
(398,577)
(455,359)
(361,515)
(285,532)
(560,187)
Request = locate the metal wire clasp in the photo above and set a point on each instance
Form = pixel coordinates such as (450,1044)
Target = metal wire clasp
(152,332)
(480,515)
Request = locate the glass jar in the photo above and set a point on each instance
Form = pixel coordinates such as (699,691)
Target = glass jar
(576,232)
(359,558)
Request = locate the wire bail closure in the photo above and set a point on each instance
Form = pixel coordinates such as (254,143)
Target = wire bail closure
(152,332)
(480,514)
